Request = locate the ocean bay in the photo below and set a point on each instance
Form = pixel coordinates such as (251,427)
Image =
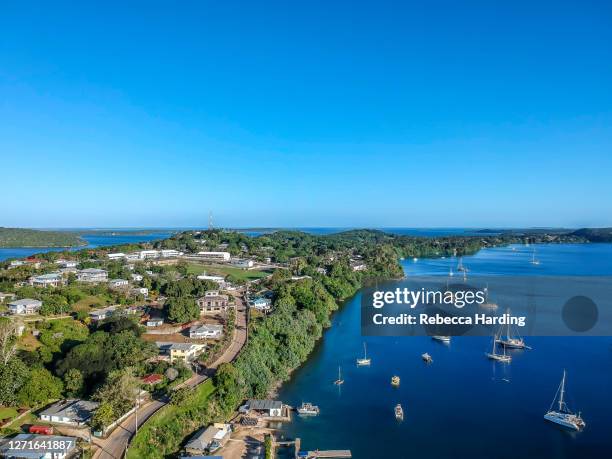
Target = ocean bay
(462,404)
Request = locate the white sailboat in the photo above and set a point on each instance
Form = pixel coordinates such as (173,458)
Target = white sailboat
(564,416)
(339,381)
(460,266)
(511,342)
(534,260)
(365,361)
(493,355)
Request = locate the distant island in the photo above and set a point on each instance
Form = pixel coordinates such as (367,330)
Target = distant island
(22,237)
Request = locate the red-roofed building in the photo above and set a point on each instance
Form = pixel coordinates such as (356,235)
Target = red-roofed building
(152,379)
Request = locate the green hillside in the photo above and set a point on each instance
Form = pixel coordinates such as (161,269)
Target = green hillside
(21,237)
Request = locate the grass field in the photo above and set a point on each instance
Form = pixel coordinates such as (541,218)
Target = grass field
(163,433)
(242,274)
(6,413)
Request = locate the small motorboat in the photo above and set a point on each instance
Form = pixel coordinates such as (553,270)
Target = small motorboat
(427,358)
(395,381)
(308,409)
(399,412)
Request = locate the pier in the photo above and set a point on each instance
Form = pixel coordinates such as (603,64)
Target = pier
(331,453)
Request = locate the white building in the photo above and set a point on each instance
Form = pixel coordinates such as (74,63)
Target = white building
(186,352)
(148,254)
(26,306)
(169,253)
(245,264)
(101,314)
(116,256)
(92,275)
(136,277)
(208,440)
(217,279)
(215,256)
(133,256)
(155,322)
(67,263)
(206,331)
(261,303)
(269,408)
(47,280)
(118,283)
(140,291)
(38,446)
(72,412)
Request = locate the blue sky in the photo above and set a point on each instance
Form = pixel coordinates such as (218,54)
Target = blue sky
(306,114)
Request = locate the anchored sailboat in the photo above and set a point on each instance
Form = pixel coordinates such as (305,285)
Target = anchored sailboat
(512,342)
(493,355)
(399,412)
(365,361)
(534,260)
(460,266)
(339,381)
(564,416)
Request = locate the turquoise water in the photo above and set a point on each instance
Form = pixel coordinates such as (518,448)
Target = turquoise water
(93,241)
(462,405)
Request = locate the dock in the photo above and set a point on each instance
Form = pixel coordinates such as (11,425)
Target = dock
(329,453)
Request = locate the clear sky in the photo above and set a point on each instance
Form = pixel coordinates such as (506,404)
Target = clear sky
(312,113)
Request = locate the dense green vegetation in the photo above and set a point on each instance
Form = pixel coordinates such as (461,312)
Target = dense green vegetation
(21,237)
(166,429)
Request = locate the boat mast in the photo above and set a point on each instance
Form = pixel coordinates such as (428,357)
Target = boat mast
(561,396)
(365,352)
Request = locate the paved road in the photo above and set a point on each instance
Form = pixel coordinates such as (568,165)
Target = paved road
(114,446)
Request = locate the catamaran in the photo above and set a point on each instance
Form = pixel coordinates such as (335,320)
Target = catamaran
(308,409)
(512,342)
(365,361)
(339,381)
(493,355)
(399,412)
(564,416)
(444,339)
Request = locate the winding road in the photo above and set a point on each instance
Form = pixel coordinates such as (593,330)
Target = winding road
(116,444)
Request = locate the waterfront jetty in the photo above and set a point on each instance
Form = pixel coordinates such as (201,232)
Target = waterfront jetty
(331,453)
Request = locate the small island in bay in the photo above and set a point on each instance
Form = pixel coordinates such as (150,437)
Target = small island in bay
(22,237)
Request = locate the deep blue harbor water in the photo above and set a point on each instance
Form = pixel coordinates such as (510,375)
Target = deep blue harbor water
(462,405)
(93,240)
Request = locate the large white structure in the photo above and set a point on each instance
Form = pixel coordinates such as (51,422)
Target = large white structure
(47,280)
(215,256)
(217,279)
(242,263)
(148,254)
(116,256)
(118,283)
(101,314)
(206,331)
(73,412)
(169,253)
(92,275)
(25,306)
